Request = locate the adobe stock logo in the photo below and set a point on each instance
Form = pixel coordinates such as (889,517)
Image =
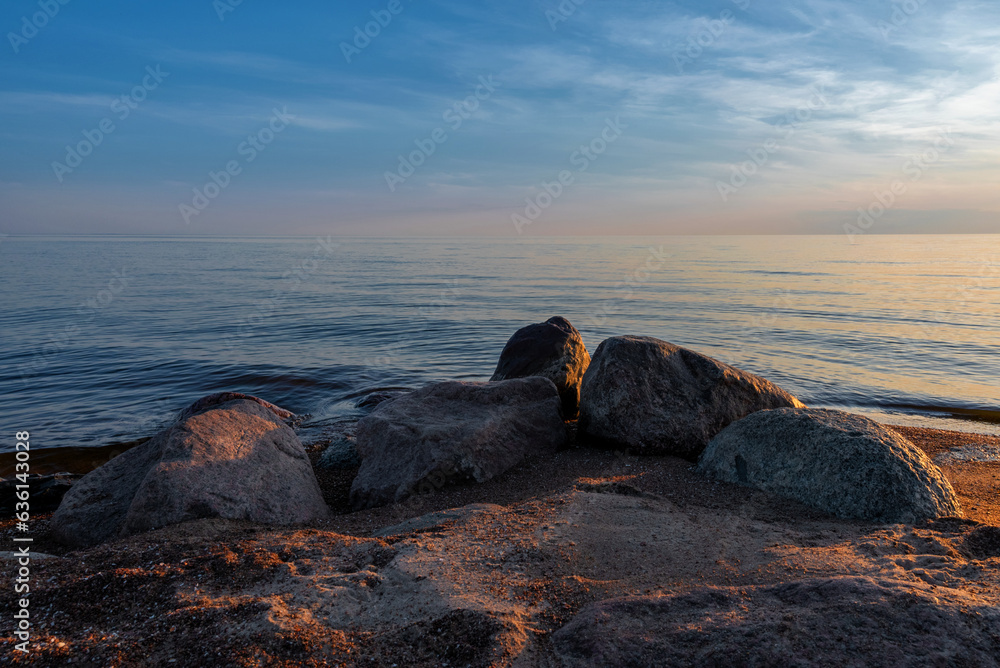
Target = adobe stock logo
(915,167)
(38,20)
(250,149)
(122,106)
(563,12)
(223,7)
(363,36)
(455,116)
(711,32)
(582,159)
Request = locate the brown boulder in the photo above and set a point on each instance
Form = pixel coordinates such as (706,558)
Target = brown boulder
(213,400)
(236,460)
(552,349)
(653,397)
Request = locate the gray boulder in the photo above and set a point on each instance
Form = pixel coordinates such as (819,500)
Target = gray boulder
(553,349)
(846,465)
(655,398)
(453,432)
(341,454)
(844,621)
(236,460)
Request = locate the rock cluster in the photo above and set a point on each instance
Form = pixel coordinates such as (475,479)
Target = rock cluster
(341,454)
(230,455)
(714,574)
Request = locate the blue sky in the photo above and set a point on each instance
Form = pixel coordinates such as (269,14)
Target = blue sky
(661,117)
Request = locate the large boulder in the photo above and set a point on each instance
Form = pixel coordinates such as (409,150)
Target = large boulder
(552,349)
(219,398)
(843,621)
(655,398)
(235,460)
(846,465)
(453,432)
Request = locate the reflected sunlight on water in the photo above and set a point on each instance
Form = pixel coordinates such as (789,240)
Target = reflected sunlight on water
(105,338)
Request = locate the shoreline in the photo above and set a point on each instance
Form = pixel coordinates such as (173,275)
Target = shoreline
(491,574)
(80,460)
(536,477)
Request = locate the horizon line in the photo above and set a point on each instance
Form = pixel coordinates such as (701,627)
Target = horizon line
(15,235)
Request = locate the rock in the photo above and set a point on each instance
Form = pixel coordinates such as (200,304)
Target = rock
(843,621)
(970,453)
(213,400)
(846,465)
(235,460)
(371,400)
(982,543)
(552,349)
(453,432)
(341,454)
(655,398)
(46,491)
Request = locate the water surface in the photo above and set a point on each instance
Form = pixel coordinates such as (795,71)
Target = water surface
(104,339)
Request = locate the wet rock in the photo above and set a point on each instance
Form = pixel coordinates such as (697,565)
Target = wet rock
(372,400)
(45,491)
(213,400)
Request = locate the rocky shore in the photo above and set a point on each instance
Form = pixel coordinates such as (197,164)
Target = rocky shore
(647,507)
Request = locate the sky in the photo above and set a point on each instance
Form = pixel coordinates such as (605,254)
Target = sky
(499,118)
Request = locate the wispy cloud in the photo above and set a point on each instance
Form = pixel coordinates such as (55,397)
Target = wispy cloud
(889,84)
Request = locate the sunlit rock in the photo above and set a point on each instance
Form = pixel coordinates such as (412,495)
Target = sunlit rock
(652,397)
(235,460)
(552,349)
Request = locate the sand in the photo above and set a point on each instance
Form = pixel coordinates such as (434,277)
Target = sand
(483,575)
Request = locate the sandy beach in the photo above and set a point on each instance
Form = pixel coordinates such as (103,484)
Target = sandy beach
(484,575)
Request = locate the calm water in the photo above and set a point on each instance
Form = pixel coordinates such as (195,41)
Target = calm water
(104,339)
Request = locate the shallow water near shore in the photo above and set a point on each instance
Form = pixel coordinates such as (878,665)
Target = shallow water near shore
(105,339)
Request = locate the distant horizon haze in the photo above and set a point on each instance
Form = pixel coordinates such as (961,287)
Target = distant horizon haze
(519,118)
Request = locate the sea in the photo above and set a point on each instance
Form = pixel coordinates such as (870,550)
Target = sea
(105,339)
